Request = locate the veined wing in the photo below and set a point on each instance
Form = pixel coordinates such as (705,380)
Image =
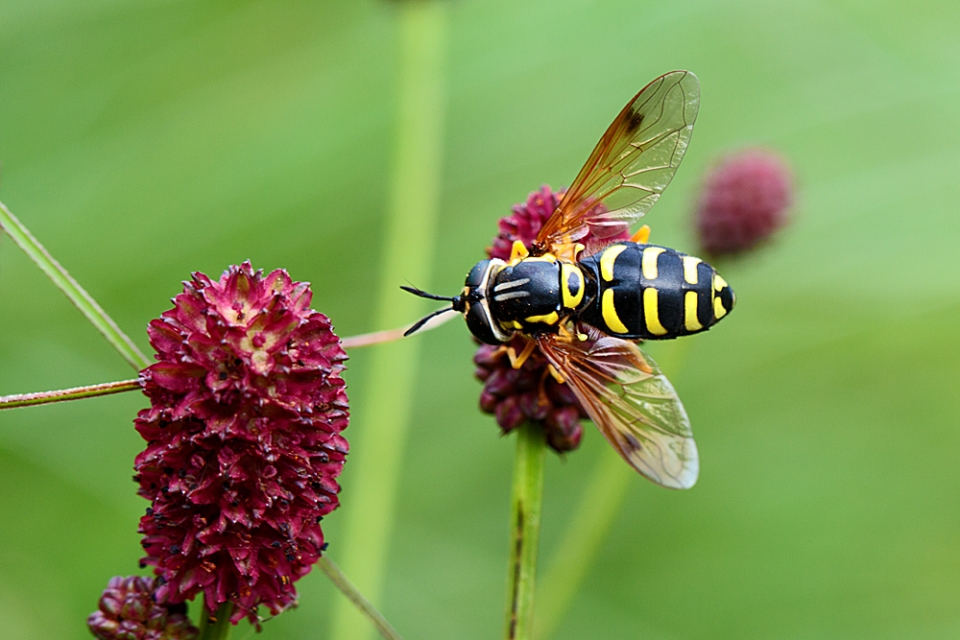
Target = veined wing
(631,402)
(631,165)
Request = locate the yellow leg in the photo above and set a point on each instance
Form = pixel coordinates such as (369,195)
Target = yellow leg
(556,374)
(517,361)
(568,330)
(518,252)
(642,235)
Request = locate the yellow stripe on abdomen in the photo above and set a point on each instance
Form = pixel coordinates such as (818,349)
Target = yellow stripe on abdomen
(651,312)
(608,258)
(690,269)
(609,311)
(718,309)
(718,285)
(690,320)
(648,264)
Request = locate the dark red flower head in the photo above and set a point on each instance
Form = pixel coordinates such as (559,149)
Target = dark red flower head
(530,392)
(743,202)
(128,611)
(243,440)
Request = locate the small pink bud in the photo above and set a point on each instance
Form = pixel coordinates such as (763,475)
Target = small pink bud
(129,611)
(743,202)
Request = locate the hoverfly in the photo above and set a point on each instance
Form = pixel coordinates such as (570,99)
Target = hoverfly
(585,307)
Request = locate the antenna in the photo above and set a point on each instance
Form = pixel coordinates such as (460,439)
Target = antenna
(422,321)
(455,305)
(424,294)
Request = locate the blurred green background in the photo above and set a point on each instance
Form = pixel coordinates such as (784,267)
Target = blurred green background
(141,141)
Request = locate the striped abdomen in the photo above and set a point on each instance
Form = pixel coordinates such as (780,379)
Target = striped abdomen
(654,293)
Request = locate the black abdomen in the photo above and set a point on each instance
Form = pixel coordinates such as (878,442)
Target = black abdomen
(654,293)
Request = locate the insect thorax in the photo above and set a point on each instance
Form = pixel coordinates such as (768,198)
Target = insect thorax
(536,294)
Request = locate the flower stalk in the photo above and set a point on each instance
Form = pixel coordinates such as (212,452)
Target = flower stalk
(62,395)
(525,530)
(107,388)
(72,289)
(216,626)
(390,335)
(348,589)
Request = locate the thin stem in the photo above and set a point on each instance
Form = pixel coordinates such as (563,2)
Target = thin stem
(107,388)
(410,228)
(62,395)
(216,626)
(77,295)
(524,530)
(347,588)
(380,337)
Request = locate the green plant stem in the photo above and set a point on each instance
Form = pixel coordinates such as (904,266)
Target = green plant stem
(216,626)
(581,542)
(347,588)
(62,395)
(587,529)
(383,416)
(524,530)
(76,294)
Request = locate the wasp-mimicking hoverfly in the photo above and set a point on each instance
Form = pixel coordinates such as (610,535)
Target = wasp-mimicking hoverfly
(585,307)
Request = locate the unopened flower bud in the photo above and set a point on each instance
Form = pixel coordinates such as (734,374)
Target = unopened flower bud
(743,202)
(129,611)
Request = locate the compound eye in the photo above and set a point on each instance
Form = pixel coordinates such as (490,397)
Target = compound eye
(478,321)
(475,277)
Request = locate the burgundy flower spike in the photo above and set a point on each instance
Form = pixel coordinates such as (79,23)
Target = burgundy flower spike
(743,202)
(128,612)
(243,440)
(530,392)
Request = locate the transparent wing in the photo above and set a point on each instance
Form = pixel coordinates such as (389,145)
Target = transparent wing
(631,165)
(631,402)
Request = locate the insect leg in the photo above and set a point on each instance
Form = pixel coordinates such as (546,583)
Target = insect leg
(518,252)
(556,374)
(642,235)
(516,361)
